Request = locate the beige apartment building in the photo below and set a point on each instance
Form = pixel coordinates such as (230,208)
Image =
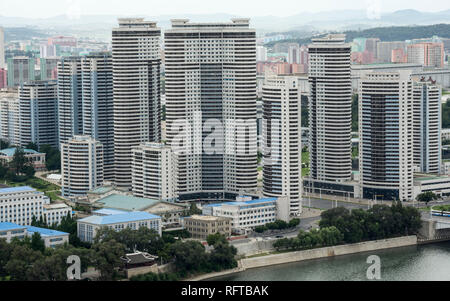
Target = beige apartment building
(200,226)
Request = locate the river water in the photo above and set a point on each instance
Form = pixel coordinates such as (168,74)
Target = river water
(424,262)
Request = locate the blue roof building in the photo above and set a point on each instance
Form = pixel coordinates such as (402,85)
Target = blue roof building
(51,238)
(88,226)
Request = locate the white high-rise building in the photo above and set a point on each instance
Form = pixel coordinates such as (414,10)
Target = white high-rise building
(282,166)
(386,139)
(211,107)
(97,107)
(261,53)
(154,172)
(427,126)
(38,113)
(330,109)
(293,54)
(2,48)
(9,117)
(81,166)
(136,61)
(70,121)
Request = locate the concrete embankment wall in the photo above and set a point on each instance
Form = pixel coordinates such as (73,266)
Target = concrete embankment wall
(255,247)
(288,257)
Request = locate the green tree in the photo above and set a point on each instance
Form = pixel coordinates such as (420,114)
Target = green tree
(37,243)
(32,145)
(21,260)
(294,223)
(212,239)
(222,256)
(18,161)
(52,157)
(107,258)
(426,197)
(3,170)
(4,144)
(189,256)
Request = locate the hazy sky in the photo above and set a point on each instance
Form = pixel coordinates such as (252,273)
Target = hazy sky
(250,8)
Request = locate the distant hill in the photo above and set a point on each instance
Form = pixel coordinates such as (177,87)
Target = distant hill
(345,19)
(392,33)
(23,33)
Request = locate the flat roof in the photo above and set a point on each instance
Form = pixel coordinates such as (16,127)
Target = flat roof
(55,206)
(243,203)
(118,218)
(45,232)
(430,178)
(17,189)
(207,217)
(101,190)
(10,226)
(126,202)
(109,211)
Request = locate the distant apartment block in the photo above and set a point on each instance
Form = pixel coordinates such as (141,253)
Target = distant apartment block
(3,78)
(261,54)
(427,126)
(384,50)
(427,54)
(97,104)
(2,48)
(38,112)
(10,116)
(70,120)
(20,71)
(399,56)
(49,68)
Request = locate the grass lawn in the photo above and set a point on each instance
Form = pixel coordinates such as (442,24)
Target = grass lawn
(305,157)
(441,207)
(50,190)
(305,171)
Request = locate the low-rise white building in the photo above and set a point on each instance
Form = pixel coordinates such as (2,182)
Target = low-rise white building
(51,238)
(19,204)
(9,231)
(53,213)
(439,185)
(87,227)
(247,213)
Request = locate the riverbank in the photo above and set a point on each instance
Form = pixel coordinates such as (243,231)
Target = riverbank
(297,256)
